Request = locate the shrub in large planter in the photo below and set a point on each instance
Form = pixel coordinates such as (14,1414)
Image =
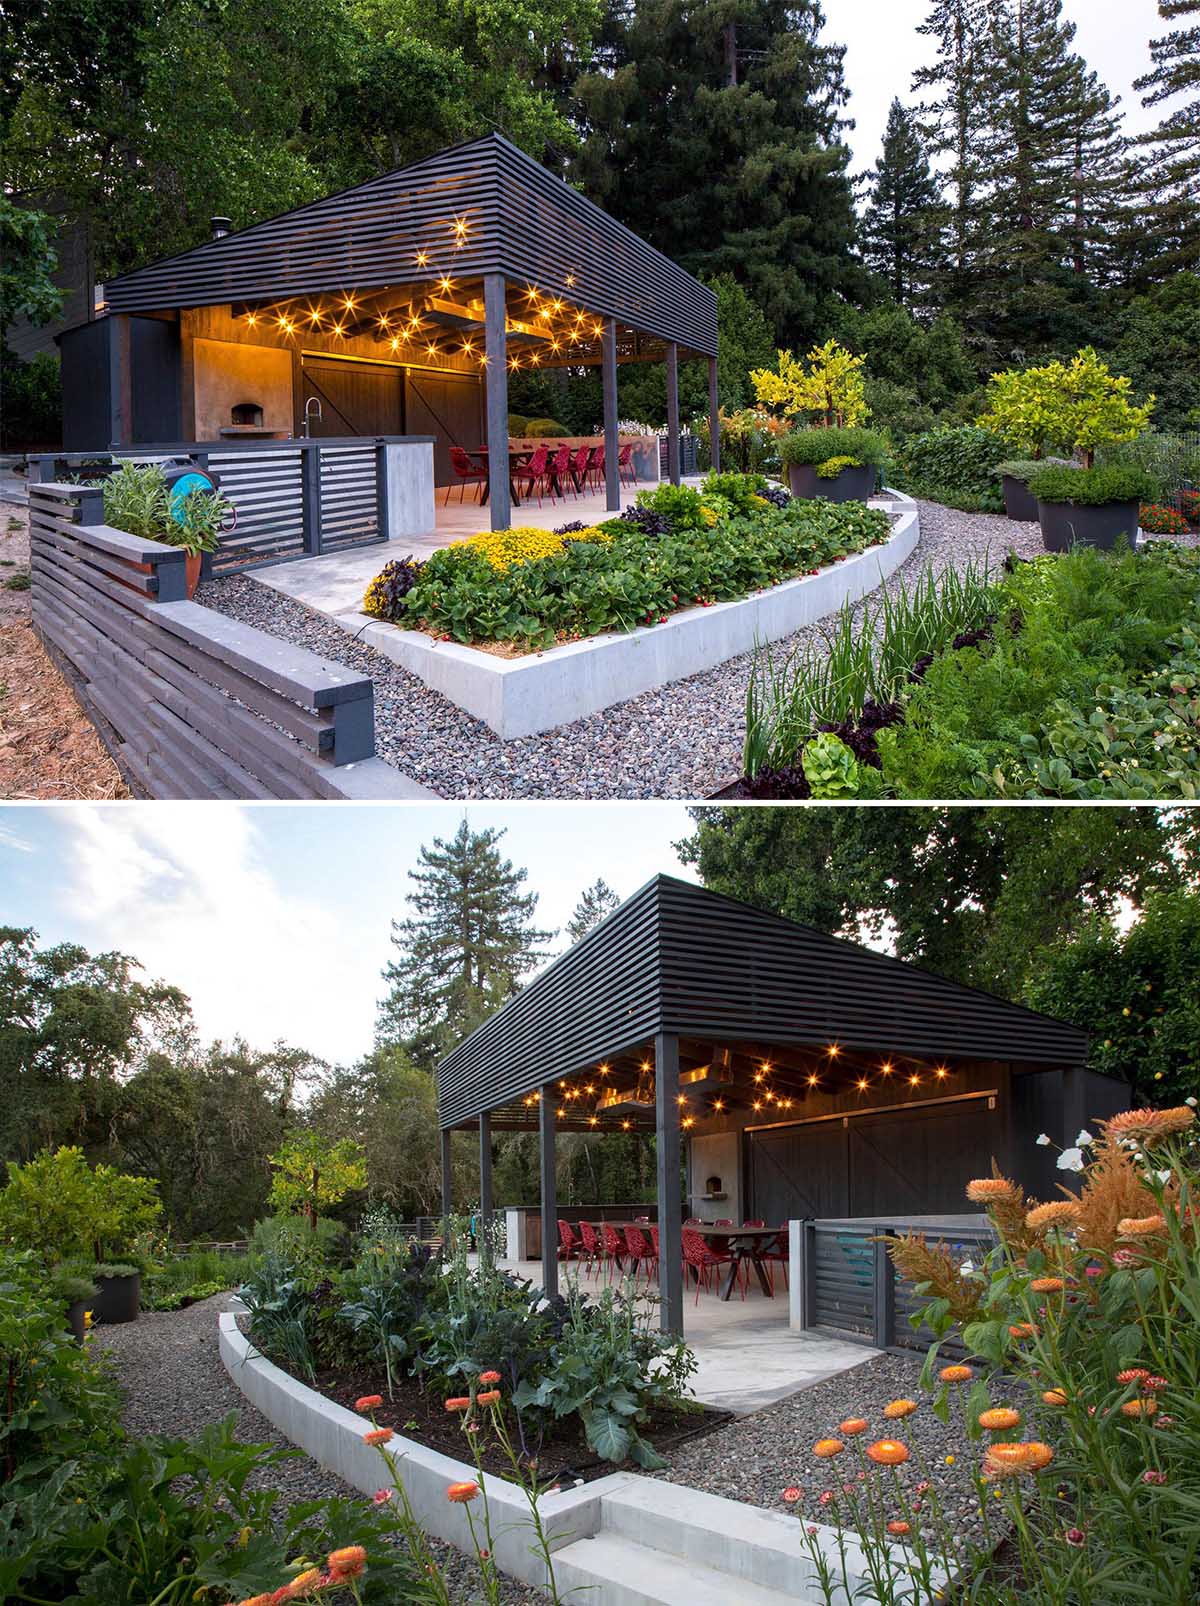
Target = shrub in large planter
(118,1294)
(1019,501)
(79,1295)
(1088,506)
(840,465)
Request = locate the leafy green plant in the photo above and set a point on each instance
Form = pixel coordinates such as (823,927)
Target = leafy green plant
(815,446)
(946,463)
(136,499)
(681,505)
(740,493)
(1090,487)
(833,466)
(311,1172)
(830,387)
(389,1298)
(62,1207)
(831,769)
(1024,468)
(1078,405)
(282,1315)
(385,595)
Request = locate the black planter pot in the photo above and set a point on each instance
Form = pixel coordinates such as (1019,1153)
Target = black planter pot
(1066,524)
(75,1319)
(1019,500)
(851,485)
(118,1299)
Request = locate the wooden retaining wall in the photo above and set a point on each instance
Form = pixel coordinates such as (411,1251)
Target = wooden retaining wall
(190,703)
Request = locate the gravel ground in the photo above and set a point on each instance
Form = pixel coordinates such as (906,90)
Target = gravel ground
(173,1380)
(756,1457)
(683,740)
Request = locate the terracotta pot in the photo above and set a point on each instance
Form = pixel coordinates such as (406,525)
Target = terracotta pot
(851,485)
(1067,524)
(191,572)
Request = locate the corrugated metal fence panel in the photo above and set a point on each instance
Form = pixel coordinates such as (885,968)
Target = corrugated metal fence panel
(267,489)
(349,495)
(191,704)
(844,1280)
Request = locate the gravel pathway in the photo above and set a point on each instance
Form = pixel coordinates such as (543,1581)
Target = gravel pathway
(171,1374)
(683,740)
(756,1457)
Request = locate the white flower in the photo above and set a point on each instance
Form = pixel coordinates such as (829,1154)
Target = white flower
(1163,1176)
(967,1267)
(1044,1140)
(1071,1160)
(1085,1138)
(1191,1101)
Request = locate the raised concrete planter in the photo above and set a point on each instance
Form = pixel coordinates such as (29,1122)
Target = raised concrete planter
(626,1539)
(520,696)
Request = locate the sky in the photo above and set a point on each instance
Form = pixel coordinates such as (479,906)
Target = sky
(276,920)
(883,49)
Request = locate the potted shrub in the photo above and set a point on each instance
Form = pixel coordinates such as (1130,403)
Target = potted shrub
(841,465)
(118,1292)
(1015,474)
(139,501)
(1023,411)
(79,1296)
(1088,506)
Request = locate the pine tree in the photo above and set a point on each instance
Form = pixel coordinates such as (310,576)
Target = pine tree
(594,903)
(715,130)
(463,950)
(951,121)
(1172,185)
(903,229)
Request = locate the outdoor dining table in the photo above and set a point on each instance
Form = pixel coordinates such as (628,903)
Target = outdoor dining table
(745,1244)
(516,456)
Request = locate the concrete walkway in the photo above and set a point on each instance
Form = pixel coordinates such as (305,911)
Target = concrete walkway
(748,1355)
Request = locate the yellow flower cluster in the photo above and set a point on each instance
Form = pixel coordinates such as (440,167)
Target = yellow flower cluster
(708,514)
(525,544)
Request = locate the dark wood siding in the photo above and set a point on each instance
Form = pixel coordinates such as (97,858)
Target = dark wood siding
(450,408)
(798,1171)
(357,398)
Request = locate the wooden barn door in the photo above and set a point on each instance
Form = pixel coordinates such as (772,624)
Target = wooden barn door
(449,407)
(357,398)
(918,1162)
(798,1171)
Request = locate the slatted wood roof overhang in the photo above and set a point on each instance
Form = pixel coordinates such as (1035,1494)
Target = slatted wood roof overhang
(678,958)
(521,221)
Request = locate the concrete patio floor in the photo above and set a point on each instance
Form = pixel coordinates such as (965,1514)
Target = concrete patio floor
(335,583)
(748,1355)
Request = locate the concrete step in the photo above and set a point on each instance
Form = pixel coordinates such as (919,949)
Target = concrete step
(616,1571)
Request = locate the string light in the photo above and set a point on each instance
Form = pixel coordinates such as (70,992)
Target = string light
(689,1120)
(570,279)
(813,1080)
(339,329)
(914,1081)
(886,1067)
(395,343)
(593,1120)
(833,1051)
(422,258)
(349,303)
(718,1105)
(757,1105)
(862,1084)
(252,318)
(460,230)
(625,1125)
(446,283)
(941,1073)
(604,1070)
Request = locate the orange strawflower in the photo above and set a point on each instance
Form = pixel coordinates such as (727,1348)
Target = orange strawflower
(898,1528)
(1047,1285)
(824,1448)
(460,1493)
(1058,1213)
(377,1436)
(256,1600)
(1133,1374)
(1054,1397)
(1149,1126)
(887,1452)
(989,1190)
(489,1398)
(1145,1407)
(1040,1455)
(899,1409)
(489,1377)
(956,1374)
(852,1426)
(999,1418)
(1005,1460)
(368,1402)
(347,1562)
(460,1402)
(304,1583)
(1022,1330)
(1141,1226)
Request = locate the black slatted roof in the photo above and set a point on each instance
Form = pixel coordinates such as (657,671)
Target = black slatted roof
(521,221)
(677,958)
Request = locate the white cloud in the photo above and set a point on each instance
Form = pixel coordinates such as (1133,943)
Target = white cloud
(186,887)
(10,839)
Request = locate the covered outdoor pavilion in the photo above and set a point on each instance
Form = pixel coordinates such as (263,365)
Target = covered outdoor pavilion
(399,307)
(806,1075)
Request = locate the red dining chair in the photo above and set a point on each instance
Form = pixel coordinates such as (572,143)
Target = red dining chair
(592,1253)
(704,1260)
(530,475)
(569,1245)
(614,1247)
(779,1253)
(467,470)
(638,1248)
(625,469)
(558,472)
(579,467)
(596,466)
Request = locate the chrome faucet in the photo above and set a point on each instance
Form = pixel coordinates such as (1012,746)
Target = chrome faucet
(309,415)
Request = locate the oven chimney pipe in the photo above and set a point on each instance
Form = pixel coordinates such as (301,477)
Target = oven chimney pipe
(220,226)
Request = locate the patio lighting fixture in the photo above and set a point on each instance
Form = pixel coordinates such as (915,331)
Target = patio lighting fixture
(445,283)
(314,314)
(833,1051)
(757,1105)
(514,362)
(813,1080)
(395,343)
(460,230)
(339,329)
(570,278)
(383,323)
(689,1120)
(590,1088)
(886,1067)
(941,1073)
(625,1125)
(286,325)
(431,349)
(252,318)
(604,1070)
(914,1081)
(718,1105)
(483,362)
(422,258)
(348,303)
(593,1120)
(681,1098)
(862,1084)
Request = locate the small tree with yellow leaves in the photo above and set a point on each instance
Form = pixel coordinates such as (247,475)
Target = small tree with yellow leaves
(827,385)
(1077,405)
(311,1173)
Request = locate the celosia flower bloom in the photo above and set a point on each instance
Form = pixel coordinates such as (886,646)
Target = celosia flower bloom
(956,1374)
(898,1528)
(898,1409)
(347,1562)
(1141,1226)
(999,1418)
(792,1494)
(852,1426)
(489,1398)
(1058,1213)
(377,1436)
(1150,1126)
(887,1452)
(368,1402)
(460,1493)
(460,1402)
(987,1190)
(824,1448)
(1047,1285)
(489,1377)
